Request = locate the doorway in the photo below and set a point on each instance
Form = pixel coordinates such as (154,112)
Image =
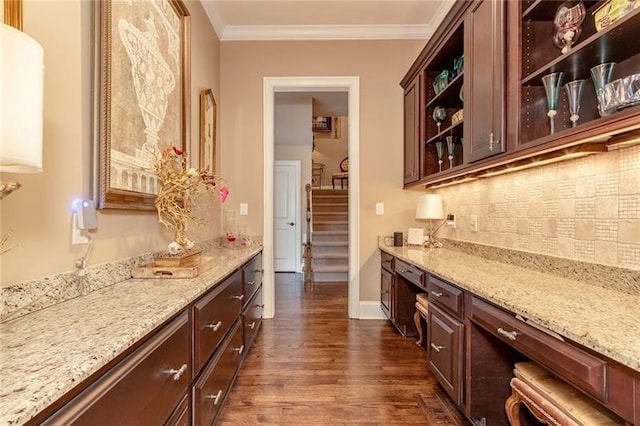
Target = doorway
(271,85)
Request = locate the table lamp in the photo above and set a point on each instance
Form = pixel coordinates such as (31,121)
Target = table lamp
(430,209)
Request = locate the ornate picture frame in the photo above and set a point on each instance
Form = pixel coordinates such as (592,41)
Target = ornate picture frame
(208,124)
(141,96)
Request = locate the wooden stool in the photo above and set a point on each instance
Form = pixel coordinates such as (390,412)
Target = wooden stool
(422,311)
(552,401)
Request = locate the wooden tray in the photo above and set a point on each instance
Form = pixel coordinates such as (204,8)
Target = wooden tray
(151,270)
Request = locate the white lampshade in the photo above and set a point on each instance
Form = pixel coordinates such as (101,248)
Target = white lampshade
(21,90)
(430,207)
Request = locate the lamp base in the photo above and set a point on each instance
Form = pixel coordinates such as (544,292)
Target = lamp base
(7,188)
(431,242)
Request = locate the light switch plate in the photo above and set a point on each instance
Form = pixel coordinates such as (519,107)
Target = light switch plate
(244,209)
(416,236)
(379,209)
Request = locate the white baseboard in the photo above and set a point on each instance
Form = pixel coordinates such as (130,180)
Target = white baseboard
(371,310)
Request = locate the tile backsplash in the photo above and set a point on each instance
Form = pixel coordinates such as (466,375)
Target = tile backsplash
(586,209)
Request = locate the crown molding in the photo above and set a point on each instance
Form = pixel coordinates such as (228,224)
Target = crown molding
(326,32)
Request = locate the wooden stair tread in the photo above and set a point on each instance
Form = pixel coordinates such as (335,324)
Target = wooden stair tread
(329,233)
(330,243)
(331,268)
(330,255)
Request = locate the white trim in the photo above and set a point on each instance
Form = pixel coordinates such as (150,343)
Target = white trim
(371,310)
(328,32)
(304,84)
(298,214)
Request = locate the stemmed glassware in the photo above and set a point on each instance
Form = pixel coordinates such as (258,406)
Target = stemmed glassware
(439,114)
(567,22)
(574,94)
(601,75)
(451,149)
(439,152)
(552,83)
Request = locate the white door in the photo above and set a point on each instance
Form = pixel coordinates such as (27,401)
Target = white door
(286,187)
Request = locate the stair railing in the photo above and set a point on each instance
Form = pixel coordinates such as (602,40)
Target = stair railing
(307,252)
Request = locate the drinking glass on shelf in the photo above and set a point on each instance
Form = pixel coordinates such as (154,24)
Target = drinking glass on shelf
(574,94)
(552,83)
(439,114)
(451,146)
(439,152)
(601,76)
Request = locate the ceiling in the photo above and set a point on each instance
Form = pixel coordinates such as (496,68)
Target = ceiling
(325,20)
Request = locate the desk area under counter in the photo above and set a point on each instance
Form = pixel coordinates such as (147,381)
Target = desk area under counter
(62,362)
(485,315)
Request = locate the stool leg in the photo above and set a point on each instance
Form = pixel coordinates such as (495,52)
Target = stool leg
(416,320)
(512,407)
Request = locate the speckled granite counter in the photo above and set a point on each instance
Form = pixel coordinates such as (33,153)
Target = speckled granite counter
(604,320)
(48,352)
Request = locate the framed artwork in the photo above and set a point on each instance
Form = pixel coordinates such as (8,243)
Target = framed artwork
(321,124)
(207,131)
(141,96)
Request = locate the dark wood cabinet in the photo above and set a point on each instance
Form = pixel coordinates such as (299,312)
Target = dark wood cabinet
(386,293)
(412,130)
(484,53)
(445,336)
(252,317)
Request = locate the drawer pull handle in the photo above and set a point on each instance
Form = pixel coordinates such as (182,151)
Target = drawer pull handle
(239,350)
(216,397)
(238,297)
(511,335)
(437,293)
(437,348)
(252,325)
(214,327)
(405,271)
(260,306)
(177,373)
(251,282)
(385,292)
(258,271)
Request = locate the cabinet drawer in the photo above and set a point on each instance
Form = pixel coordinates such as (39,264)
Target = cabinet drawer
(568,362)
(444,351)
(386,280)
(386,261)
(252,319)
(213,316)
(252,277)
(445,295)
(143,389)
(182,415)
(410,273)
(211,389)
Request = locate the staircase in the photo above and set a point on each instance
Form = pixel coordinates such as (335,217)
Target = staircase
(330,235)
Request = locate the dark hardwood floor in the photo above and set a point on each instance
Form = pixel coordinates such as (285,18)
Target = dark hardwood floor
(311,364)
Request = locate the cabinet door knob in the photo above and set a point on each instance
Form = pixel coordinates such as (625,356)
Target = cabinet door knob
(437,293)
(215,398)
(290,223)
(239,350)
(511,335)
(437,348)
(240,297)
(176,374)
(251,282)
(214,327)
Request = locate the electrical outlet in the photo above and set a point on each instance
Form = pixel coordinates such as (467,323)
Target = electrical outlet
(451,220)
(379,209)
(77,236)
(244,209)
(473,223)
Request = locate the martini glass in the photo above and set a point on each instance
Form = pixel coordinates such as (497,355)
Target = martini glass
(601,76)
(552,83)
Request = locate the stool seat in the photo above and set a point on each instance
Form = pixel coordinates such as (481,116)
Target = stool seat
(552,401)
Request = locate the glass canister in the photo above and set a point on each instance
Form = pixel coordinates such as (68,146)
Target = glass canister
(230,225)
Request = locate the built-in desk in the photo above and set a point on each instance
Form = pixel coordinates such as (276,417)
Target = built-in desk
(486,315)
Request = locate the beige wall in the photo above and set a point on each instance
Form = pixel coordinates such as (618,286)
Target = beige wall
(40,213)
(331,149)
(380,66)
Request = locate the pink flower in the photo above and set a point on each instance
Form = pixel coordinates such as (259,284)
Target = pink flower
(177,151)
(224,193)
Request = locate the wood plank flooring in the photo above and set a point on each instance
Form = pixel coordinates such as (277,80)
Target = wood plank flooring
(313,365)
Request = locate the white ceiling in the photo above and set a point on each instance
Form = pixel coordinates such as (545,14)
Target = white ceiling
(325,20)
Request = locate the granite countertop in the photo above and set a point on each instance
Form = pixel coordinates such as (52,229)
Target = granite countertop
(47,353)
(602,319)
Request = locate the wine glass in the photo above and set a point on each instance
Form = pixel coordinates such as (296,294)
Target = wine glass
(439,114)
(552,83)
(601,76)
(451,146)
(568,21)
(574,94)
(439,152)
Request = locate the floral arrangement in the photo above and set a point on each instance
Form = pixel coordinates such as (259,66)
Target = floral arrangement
(180,188)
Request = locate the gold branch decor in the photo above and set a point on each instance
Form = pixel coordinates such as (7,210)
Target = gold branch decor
(179,190)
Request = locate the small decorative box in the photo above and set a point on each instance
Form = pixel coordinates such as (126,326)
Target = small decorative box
(457,116)
(612,10)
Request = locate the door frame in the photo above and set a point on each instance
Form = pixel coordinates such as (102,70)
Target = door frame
(351,85)
(298,185)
